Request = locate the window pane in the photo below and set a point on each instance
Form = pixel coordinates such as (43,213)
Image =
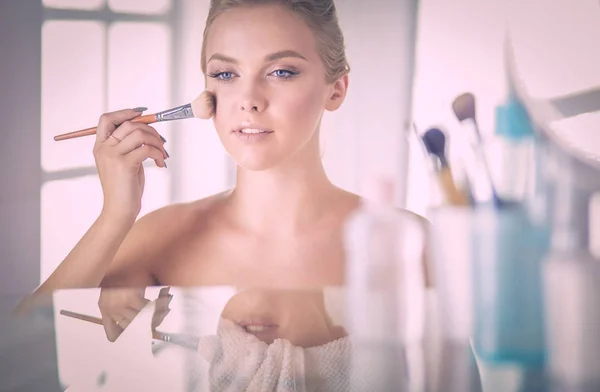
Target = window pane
(70,207)
(139,67)
(157,190)
(140,7)
(72,90)
(75,4)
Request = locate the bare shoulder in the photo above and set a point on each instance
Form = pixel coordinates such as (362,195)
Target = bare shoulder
(172,218)
(419,218)
(354,201)
(151,235)
(425,226)
(358,201)
(161,224)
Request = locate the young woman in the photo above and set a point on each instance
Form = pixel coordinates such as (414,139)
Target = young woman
(275,67)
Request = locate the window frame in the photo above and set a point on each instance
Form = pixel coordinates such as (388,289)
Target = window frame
(108,17)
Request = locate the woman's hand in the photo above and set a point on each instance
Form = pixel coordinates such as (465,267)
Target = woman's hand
(120,149)
(161,308)
(119,306)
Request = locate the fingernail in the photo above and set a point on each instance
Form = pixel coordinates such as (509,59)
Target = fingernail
(165,165)
(167,154)
(140,109)
(163,139)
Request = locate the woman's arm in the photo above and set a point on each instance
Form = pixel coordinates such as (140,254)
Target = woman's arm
(88,262)
(112,252)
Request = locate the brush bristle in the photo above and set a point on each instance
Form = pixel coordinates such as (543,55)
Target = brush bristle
(205,105)
(435,142)
(464,106)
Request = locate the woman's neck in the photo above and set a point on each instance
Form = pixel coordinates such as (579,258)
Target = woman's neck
(292,196)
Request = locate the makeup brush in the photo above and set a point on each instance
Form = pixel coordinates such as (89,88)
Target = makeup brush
(422,148)
(179,339)
(434,141)
(202,107)
(464,110)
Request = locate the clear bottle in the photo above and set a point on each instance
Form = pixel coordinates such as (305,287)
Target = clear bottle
(384,290)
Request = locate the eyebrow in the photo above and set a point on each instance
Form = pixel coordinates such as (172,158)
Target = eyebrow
(271,57)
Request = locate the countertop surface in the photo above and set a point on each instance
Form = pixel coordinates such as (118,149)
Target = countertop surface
(222,338)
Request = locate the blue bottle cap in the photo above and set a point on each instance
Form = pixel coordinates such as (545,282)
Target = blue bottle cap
(512,120)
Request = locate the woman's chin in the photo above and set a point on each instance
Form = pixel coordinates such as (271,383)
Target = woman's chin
(256,162)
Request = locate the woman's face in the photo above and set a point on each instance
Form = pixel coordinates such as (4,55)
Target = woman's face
(295,315)
(264,67)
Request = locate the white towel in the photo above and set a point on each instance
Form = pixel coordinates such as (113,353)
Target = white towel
(238,361)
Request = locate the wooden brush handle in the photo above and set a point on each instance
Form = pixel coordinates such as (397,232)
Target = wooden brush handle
(91,319)
(83,317)
(453,195)
(147,119)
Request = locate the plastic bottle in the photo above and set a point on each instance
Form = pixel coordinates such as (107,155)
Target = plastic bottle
(510,243)
(385,292)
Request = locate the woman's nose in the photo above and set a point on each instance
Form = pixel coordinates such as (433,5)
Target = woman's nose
(248,106)
(253,101)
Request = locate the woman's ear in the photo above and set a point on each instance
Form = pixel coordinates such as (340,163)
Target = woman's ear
(337,93)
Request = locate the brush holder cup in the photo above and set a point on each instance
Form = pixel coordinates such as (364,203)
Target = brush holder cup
(450,265)
(508,248)
(486,267)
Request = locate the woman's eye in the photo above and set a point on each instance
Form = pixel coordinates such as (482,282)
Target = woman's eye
(225,75)
(222,76)
(283,73)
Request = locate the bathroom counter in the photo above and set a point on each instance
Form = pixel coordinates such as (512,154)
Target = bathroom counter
(310,348)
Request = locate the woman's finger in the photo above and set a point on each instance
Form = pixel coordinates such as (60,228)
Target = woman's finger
(137,138)
(164,292)
(111,328)
(140,154)
(129,126)
(138,303)
(125,313)
(108,122)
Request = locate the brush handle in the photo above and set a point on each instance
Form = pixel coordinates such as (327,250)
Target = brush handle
(95,320)
(146,119)
(453,195)
(80,316)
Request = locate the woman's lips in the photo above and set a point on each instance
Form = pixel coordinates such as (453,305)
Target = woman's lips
(251,131)
(252,127)
(258,326)
(252,134)
(255,329)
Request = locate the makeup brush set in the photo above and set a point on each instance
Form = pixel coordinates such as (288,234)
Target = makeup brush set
(510,248)
(478,187)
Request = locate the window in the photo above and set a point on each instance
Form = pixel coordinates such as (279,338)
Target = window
(88,48)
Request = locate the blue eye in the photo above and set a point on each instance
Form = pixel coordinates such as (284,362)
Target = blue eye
(225,75)
(222,76)
(283,74)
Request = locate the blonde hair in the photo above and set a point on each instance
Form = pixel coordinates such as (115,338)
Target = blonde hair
(321,17)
